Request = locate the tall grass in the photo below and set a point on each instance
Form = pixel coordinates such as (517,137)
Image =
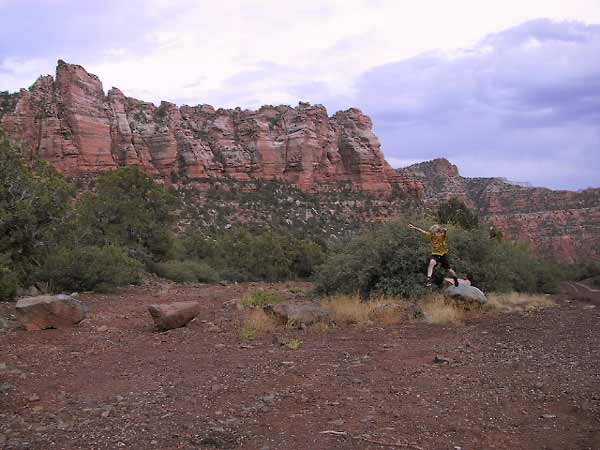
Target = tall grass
(351,310)
(517,302)
(441,311)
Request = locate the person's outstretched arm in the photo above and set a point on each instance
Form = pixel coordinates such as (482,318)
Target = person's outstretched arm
(410,225)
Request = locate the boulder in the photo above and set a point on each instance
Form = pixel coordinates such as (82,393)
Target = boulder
(298,314)
(49,311)
(173,315)
(466,292)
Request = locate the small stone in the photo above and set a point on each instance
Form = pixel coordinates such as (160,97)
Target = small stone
(5,387)
(441,360)
(337,422)
(548,416)
(103,328)
(120,398)
(153,442)
(3,366)
(34,398)
(268,398)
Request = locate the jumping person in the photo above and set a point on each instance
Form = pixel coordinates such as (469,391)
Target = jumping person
(439,251)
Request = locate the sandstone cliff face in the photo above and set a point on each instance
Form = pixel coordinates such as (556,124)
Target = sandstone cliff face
(558,224)
(71,123)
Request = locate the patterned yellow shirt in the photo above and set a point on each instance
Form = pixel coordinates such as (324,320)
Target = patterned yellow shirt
(439,243)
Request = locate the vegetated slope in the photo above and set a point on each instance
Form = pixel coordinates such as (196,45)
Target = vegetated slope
(564,225)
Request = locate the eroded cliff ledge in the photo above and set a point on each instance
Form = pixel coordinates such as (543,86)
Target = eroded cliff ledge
(562,225)
(70,122)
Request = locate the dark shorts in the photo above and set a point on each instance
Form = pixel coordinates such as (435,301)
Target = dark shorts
(442,260)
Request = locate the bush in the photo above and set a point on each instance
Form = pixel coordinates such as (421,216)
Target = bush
(186,271)
(258,299)
(89,268)
(241,256)
(392,260)
(9,281)
(34,200)
(129,210)
(454,211)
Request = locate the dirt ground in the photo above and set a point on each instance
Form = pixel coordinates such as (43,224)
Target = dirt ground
(507,381)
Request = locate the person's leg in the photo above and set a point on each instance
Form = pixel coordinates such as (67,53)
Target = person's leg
(453,275)
(446,265)
(432,263)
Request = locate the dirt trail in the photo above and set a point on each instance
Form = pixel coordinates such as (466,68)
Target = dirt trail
(513,381)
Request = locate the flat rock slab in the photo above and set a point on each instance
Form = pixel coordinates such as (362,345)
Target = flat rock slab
(49,311)
(173,315)
(298,314)
(466,292)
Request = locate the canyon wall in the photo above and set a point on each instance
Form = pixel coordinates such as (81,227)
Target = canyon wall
(563,225)
(71,123)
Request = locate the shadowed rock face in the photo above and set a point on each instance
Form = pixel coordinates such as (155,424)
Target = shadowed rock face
(560,224)
(71,123)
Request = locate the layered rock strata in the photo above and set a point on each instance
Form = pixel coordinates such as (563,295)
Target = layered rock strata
(563,225)
(71,123)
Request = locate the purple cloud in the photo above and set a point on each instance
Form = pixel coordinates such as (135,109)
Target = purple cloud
(528,94)
(70,29)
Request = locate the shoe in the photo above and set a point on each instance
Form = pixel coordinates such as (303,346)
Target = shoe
(428,284)
(455,282)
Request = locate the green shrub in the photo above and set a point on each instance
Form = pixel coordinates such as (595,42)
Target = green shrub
(186,271)
(9,282)
(129,210)
(392,260)
(89,268)
(34,200)
(240,255)
(258,299)
(454,211)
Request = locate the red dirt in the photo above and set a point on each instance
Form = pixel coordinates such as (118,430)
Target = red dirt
(513,381)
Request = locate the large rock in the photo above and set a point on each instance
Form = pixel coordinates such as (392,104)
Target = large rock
(173,315)
(466,292)
(49,311)
(71,123)
(298,314)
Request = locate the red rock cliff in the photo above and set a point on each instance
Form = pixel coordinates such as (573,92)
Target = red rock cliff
(559,224)
(71,123)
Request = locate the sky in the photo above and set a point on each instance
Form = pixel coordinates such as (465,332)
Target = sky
(508,89)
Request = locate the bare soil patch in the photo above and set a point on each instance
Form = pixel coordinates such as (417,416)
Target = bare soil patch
(519,380)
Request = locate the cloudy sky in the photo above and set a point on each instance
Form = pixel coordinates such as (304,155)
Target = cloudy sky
(506,88)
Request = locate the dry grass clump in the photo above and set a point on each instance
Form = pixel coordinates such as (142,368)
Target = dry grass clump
(257,323)
(438,310)
(351,310)
(517,302)
(321,327)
